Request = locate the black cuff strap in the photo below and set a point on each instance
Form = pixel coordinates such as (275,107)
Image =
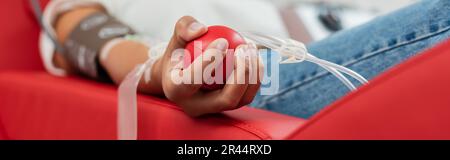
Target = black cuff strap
(87,39)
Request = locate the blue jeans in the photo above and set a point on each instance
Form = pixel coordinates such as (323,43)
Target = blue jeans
(369,49)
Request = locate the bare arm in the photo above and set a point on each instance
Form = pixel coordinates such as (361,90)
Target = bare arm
(123,57)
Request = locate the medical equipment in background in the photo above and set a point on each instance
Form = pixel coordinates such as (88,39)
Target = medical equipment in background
(330,18)
(290,50)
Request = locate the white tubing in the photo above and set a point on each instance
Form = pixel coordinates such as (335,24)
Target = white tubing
(127,106)
(296,52)
(351,73)
(339,75)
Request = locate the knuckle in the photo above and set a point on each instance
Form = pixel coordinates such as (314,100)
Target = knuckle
(171,96)
(182,22)
(174,93)
(170,92)
(186,18)
(241,46)
(247,101)
(227,101)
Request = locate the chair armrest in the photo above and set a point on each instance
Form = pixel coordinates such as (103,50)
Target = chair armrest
(410,101)
(36,105)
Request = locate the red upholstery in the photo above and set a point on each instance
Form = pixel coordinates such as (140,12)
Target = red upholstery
(411,101)
(2,132)
(18,37)
(36,105)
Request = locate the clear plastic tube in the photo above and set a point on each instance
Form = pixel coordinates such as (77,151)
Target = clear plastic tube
(127,102)
(350,72)
(341,77)
(295,52)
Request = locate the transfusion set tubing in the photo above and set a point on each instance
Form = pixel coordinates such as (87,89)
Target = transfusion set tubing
(127,106)
(296,52)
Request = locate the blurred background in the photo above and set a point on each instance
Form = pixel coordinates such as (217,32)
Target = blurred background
(374,5)
(312,20)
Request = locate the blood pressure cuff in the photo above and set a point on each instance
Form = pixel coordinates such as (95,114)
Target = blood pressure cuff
(85,42)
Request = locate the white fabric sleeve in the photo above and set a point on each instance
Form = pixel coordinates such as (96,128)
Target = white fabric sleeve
(157,18)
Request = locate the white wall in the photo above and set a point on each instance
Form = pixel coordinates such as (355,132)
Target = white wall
(379,5)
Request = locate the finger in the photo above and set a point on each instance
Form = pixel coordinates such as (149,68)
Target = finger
(212,102)
(220,100)
(201,103)
(202,67)
(238,84)
(185,82)
(255,74)
(186,29)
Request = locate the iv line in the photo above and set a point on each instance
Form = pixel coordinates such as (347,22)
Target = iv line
(296,52)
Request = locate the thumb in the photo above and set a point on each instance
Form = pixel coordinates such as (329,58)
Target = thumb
(186,29)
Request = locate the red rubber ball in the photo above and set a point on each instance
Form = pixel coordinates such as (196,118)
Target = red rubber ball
(213,33)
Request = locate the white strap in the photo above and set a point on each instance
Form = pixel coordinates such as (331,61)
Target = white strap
(127,100)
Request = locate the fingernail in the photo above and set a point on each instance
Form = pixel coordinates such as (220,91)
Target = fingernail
(253,46)
(240,53)
(221,44)
(254,51)
(246,52)
(195,26)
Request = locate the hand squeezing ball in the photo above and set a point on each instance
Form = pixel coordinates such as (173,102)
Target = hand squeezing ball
(290,51)
(214,32)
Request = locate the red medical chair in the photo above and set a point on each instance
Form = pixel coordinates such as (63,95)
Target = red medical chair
(410,101)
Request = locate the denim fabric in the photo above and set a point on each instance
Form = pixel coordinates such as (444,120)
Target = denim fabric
(369,49)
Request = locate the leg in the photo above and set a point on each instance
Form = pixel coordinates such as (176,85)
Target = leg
(369,49)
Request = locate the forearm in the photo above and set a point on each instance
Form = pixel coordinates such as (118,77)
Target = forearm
(119,60)
(123,57)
